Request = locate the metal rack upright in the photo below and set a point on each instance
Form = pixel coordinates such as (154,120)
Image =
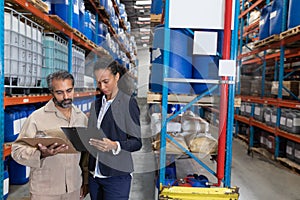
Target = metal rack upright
(226,111)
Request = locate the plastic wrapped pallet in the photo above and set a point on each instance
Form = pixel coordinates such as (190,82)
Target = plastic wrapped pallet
(191,122)
(202,143)
(293,86)
(173,126)
(245,85)
(256,86)
(170,146)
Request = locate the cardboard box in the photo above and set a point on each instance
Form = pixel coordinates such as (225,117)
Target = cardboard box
(293,86)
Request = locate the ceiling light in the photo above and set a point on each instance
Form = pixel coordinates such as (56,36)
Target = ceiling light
(145,37)
(143,2)
(144,29)
(142,19)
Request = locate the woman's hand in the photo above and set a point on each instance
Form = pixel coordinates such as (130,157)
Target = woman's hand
(104,145)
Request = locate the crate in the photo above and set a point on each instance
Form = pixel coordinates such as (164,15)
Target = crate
(78,64)
(23,51)
(55,55)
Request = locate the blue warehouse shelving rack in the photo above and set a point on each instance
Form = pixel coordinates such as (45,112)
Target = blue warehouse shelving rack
(285,47)
(226,116)
(39,14)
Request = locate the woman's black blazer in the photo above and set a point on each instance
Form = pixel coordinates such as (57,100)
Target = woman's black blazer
(120,123)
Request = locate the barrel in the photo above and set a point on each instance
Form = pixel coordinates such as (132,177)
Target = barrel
(11,125)
(100,37)
(19,174)
(264,22)
(89,26)
(5,184)
(61,8)
(172,108)
(276,17)
(81,16)
(156,57)
(156,7)
(294,14)
(204,67)
(180,65)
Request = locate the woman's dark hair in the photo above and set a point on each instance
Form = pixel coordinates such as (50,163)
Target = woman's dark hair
(59,75)
(125,81)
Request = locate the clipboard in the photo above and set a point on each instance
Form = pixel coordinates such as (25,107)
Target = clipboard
(46,141)
(80,136)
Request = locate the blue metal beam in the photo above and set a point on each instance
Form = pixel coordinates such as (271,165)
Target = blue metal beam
(1,92)
(70,41)
(281,73)
(164,97)
(195,100)
(231,94)
(191,155)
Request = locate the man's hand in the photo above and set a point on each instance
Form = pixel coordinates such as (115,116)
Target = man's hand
(52,149)
(84,190)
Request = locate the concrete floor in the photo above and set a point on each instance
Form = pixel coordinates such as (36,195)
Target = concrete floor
(257,177)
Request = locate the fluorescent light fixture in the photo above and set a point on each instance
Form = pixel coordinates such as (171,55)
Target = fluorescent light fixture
(143,19)
(138,7)
(145,2)
(144,29)
(145,37)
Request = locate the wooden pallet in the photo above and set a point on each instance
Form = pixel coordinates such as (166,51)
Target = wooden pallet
(243,138)
(289,164)
(62,22)
(264,152)
(92,44)
(155,18)
(103,12)
(182,99)
(290,32)
(80,35)
(42,6)
(266,41)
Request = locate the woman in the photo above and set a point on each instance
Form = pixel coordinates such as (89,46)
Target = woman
(116,114)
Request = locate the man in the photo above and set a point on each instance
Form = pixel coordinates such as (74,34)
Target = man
(54,174)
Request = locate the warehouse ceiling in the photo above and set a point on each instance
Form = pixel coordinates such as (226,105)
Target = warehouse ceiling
(138,14)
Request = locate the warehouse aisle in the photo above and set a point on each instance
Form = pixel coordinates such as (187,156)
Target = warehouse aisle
(257,177)
(260,178)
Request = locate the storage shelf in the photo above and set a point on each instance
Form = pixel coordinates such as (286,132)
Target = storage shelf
(53,23)
(6,150)
(117,11)
(110,29)
(272,101)
(276,131)
(252,7)
(289,53)
(10,101)
(251,28)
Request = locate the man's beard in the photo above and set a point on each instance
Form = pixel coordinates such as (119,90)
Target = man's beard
(66,103)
